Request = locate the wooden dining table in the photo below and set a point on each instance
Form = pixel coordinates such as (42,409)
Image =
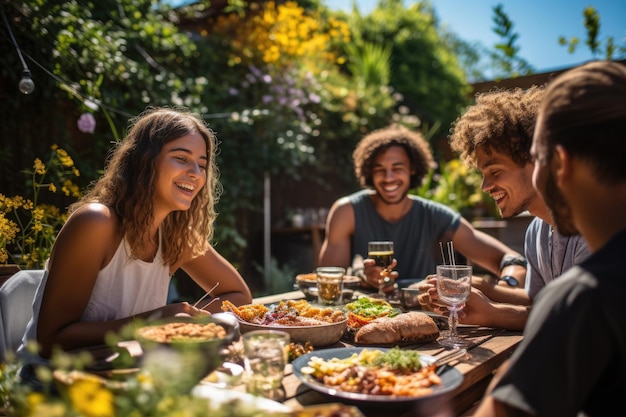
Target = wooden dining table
(489,349)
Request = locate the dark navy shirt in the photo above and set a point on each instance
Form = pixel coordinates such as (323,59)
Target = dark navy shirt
(416,236)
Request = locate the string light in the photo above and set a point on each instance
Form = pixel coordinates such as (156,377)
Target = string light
(26,84)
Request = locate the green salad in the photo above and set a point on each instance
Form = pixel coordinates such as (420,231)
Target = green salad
(371,307)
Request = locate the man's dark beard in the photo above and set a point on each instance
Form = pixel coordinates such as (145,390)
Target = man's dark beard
(560,209)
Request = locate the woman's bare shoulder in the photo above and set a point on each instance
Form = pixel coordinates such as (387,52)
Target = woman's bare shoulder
(92,219)
(94,213)
(92,231)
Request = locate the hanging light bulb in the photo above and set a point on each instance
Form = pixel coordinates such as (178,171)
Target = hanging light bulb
(26,84)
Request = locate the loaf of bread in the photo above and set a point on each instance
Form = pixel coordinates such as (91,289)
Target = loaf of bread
(407,327)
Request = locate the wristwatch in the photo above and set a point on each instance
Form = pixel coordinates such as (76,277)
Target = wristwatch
(510,280)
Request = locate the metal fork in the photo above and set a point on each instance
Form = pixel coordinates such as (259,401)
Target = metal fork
(448,356)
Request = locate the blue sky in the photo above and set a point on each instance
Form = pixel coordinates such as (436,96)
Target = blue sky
(538,23)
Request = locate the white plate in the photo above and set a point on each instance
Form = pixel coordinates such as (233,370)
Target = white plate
(220,396)
(450,378)
(227,375)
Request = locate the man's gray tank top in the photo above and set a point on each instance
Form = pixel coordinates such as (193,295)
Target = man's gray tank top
(416,236)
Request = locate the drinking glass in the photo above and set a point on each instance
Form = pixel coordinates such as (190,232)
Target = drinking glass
(382,253)
(329,284)
(265,358)
(454,283)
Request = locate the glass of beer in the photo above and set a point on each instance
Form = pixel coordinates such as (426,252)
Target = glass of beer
(382,253)
(329,284)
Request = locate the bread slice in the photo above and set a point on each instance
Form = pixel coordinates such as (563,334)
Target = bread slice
(413,326)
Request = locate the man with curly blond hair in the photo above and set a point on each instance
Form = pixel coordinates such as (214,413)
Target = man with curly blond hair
(388,163)
(494,135)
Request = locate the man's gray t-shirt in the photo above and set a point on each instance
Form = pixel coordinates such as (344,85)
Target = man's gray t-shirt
(416,236)
(549,254)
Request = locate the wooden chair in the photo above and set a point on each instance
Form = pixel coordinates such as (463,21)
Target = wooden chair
(16,308)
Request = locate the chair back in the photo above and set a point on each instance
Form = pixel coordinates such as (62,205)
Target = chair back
(16,308)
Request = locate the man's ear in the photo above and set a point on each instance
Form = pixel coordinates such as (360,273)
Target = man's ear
(561,164)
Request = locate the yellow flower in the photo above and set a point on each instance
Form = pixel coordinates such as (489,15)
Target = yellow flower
(26,204)
(91,398)
(35,398)
(38,214)
(39,167)
(65,159)
(28,227)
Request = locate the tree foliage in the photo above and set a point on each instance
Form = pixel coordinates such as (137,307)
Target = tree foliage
(592,25)
(288,87)
(506,59)
(423,66)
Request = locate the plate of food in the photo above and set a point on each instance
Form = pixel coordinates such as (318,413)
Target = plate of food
(319,326)
(401,375)
(375,322)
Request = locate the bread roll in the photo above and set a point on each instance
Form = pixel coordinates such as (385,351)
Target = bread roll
(407,327)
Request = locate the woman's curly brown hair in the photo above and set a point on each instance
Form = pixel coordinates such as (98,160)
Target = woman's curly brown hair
(128,184)
(500,120)
(380,140)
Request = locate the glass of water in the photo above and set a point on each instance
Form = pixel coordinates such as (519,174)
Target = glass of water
(265,358)
(454,283)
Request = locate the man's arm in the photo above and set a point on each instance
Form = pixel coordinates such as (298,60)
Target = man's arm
(499,291)
(336,248)
(486,251)
(479,309)
(490,407)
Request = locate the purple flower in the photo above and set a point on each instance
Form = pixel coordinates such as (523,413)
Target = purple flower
(314,98)
(254,70)
(86,123)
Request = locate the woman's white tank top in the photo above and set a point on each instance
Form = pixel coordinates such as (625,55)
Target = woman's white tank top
(128,286)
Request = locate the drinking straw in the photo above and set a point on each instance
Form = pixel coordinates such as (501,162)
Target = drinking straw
(451,253)
(443,255)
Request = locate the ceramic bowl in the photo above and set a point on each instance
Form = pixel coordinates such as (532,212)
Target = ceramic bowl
(320,335)
(193,354)
(412,297)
